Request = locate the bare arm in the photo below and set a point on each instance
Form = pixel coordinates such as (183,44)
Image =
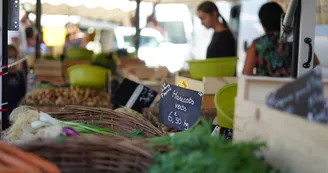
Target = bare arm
(316,61)
(250,61)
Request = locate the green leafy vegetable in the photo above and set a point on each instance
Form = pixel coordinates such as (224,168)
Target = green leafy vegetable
(195,151)
(86,128)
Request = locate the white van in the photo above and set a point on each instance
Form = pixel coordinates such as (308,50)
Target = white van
(150,43)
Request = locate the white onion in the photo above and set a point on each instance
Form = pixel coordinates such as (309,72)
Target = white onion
(38,124)
(48,119)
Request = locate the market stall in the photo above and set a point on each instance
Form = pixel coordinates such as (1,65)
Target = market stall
(271,120)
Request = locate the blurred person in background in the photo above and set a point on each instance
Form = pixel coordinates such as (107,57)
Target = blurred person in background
(16,82)
(30,51)
(223,43)
(76,36)
(68,42)
(31,39)
(31,43)
(153,23)
(267,54)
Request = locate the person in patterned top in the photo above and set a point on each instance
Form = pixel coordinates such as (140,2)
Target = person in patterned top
(267,54)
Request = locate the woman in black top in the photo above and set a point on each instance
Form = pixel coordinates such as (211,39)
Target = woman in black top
(223,43)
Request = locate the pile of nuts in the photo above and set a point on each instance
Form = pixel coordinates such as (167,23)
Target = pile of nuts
(68,96)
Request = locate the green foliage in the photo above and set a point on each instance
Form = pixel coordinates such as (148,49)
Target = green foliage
(195,151)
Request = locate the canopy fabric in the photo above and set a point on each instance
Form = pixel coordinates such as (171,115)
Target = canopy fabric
(184,1)
(108,10)
(124,5)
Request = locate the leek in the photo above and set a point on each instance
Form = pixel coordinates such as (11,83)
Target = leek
(82,128)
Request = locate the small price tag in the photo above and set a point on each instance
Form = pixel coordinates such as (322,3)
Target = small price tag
(303,97)
(134,95)
(179,107)
(183,84)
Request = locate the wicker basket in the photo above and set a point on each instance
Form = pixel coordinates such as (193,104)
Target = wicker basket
(95,153)
(152,116)
(107,118)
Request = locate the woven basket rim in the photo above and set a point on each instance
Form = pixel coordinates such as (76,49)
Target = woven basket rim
(103,153)
(108,118)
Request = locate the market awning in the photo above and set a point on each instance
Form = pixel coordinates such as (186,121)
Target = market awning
(183,1)
(110,10)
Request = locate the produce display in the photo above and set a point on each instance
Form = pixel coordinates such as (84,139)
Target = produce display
(48,84)
(68,96)
(94,154)
(116,121)
(88,136)
(192,151)
(28,125)
(13,160)
(195,151)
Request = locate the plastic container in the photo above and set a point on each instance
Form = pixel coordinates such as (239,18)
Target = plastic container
(214,67)
(225,105)
(88,76)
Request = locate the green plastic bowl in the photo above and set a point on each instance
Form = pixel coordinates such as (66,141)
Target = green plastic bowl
(225,105)
(88,76)
(214,67)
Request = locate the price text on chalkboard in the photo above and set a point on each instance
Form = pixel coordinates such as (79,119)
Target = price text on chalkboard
(179,107)
(302,97)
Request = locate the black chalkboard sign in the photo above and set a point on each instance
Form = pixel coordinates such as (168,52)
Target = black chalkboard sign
(133,95)
(179,107)
(303,97)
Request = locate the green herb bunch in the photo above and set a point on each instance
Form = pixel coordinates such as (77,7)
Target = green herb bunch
(195,151)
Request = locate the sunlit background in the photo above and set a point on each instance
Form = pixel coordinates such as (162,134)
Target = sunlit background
(183,39)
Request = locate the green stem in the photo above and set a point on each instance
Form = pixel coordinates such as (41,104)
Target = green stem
(91,128)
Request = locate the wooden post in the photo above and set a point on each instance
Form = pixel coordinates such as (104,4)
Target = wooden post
(4,61)
(38,27)
(137,17)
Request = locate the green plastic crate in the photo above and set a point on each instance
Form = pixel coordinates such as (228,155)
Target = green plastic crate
(225,105)
(88,76)
(214,67)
